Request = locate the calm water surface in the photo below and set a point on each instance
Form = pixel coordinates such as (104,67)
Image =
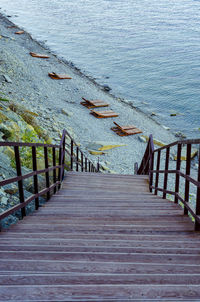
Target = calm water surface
(146,51)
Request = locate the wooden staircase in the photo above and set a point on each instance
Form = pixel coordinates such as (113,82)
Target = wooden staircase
(102,238)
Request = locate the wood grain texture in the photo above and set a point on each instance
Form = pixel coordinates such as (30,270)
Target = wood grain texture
(102,238)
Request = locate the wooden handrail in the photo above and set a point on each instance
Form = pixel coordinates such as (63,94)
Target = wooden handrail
(57,178)
(148,167)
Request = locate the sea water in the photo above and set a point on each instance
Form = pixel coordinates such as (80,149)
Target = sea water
(147,51)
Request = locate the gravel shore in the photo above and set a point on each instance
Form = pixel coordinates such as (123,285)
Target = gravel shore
(25,80)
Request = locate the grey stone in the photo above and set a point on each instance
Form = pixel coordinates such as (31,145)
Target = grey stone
(65,112)
(7,78)
(4,129)
(4,201)
(166,128)
(142,139)
(180,134)
(11,189)
(106,88)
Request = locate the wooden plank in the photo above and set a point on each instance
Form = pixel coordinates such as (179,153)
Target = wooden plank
(99,249)
(102,257)
(57,266)
(95,278)
(181,246)
(186,236)
(59,293)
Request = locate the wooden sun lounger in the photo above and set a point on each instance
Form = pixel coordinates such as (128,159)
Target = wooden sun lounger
(56,76)
(103,114)
(93,103)
(20,32)
(37,55)
(126,130)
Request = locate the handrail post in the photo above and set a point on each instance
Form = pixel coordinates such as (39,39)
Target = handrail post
(151,173)
(178,166)
(60,168)
(135,168)
(82,168)
(54,164)
(72,152)
(77,158)
(98,165)
(86,164)
(63,158)
(47,172)
(197,224)
(35,177)
(187,172)
(157,173)
(20,182)
(166,174)
(89,166)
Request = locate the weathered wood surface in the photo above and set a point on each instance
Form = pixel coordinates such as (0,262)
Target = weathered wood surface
(102,238)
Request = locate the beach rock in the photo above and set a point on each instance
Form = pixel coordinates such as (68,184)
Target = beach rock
(156,141)
(184,153)
(4,201)
(65,112)
(9,152)
(142,139)
(106,88)
(3,117)
(5,130)
(2,79)
(104,168)
(93,152)
(102,146)
(7,78)
(11,189)
(128,102)
(180,134)
(159,143)
(3,197)
(166,128)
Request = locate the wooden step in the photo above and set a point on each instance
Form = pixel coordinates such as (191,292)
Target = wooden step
(102,238)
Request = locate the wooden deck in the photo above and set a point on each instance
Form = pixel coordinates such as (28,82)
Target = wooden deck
(102,238)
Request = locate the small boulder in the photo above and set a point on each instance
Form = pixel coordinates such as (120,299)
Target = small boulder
(65,112)
(102,146)
(7,79)
(106,88)
(11,189)
(142,139)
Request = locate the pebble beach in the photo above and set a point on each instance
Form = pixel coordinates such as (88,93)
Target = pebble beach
(24,80)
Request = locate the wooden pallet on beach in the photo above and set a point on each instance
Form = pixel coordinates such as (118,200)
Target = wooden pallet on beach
(56,76)
(104,114)
(37,55)
(125,130)
(20,32)
(93,103)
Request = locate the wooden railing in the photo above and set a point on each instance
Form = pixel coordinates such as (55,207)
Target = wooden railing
(181,178)
(58,155)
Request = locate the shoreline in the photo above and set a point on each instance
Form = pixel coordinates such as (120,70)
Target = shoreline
(57,103)
(84,75)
